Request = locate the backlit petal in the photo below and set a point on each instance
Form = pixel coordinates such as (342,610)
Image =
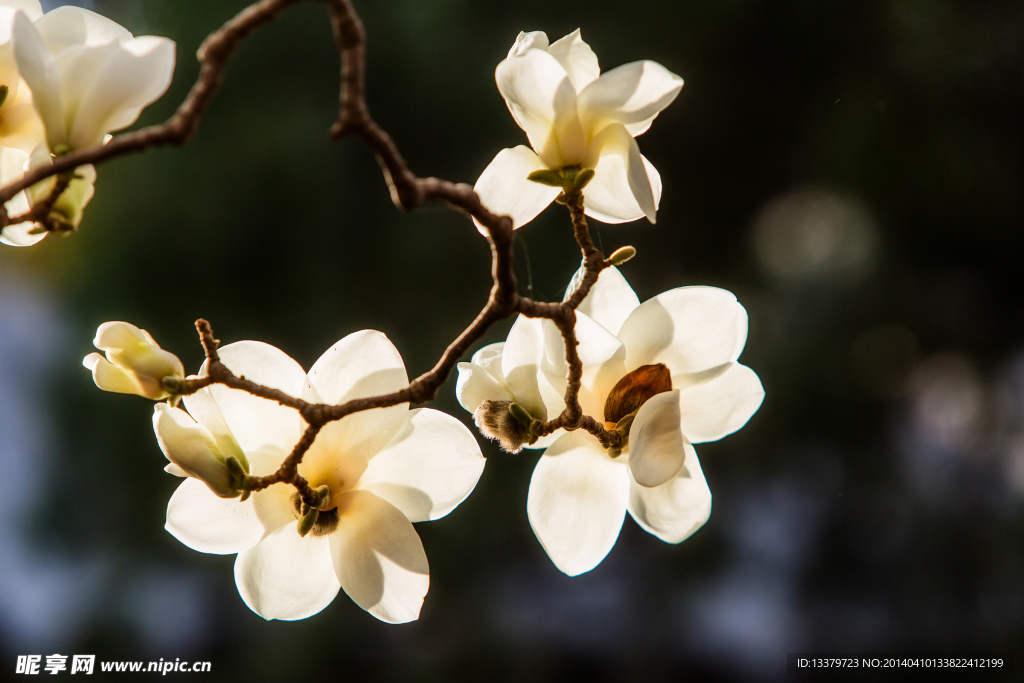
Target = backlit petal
(632,94)
(543,102)
(656,443)
(578,60)
(430,467)
(504,189)
(625,185)
(379,559)
(677,508)
(577,502)
(718,408)
(287,576)
(204,522)
(690,329)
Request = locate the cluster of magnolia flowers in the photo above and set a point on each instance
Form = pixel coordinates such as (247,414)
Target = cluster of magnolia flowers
(664,374)
(68,78)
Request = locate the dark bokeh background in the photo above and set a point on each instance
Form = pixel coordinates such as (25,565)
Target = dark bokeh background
(851,169)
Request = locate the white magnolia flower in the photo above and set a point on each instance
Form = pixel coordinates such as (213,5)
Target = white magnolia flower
(20,127)
(88,75)
(385,469)
(575,116)
(672,363)
(134,362)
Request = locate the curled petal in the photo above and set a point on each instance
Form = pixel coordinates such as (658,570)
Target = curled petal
(632,94)
(379,559)
(677,508)
(430,467)
(529,40)
(578,60)
(287,576)
(689,329)
(505,190)
(108,376)
(577,502)
(656,442)
(204,522)
(489,358)
(475,385)
(625,186)
(543,102)
(718,408)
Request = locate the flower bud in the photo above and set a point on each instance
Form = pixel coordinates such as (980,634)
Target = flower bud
(193,449)
(66,212)
(134,363)
(507,423)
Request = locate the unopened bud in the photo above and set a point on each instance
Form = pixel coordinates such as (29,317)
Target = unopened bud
(508,425)
(134,362)
(621,255)
(323,494)
(193,449)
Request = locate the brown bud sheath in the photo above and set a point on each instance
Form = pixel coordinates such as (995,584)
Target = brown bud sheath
(632,390)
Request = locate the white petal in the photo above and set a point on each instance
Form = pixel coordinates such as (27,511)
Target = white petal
(132,77)
(68,26)
(543,102)
(31,8)
(624,183)
(21,128)
(204,522)
(287,576)
(258,423)
(677,508)
(108,376)
(489,358)
(718,408)
(523,360)
(578,60)
(18,235)
(39,70)
(632,94)
(596,346)
(656,443)
(577,502)
(475,385)
(504,189)
(610,301)
(528,41)
(379,558)
(689,329)
(430,467)
(362,364)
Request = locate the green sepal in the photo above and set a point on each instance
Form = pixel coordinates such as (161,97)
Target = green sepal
(579,180)
(307,521)
(546,177)
(520,414)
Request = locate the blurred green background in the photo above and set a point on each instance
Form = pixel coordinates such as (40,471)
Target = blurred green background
(851,169)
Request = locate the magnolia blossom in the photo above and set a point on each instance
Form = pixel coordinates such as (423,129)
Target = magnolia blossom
(575,117)
(20,127)
(666,373)
(383,469)
(88,75)
(134,362)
